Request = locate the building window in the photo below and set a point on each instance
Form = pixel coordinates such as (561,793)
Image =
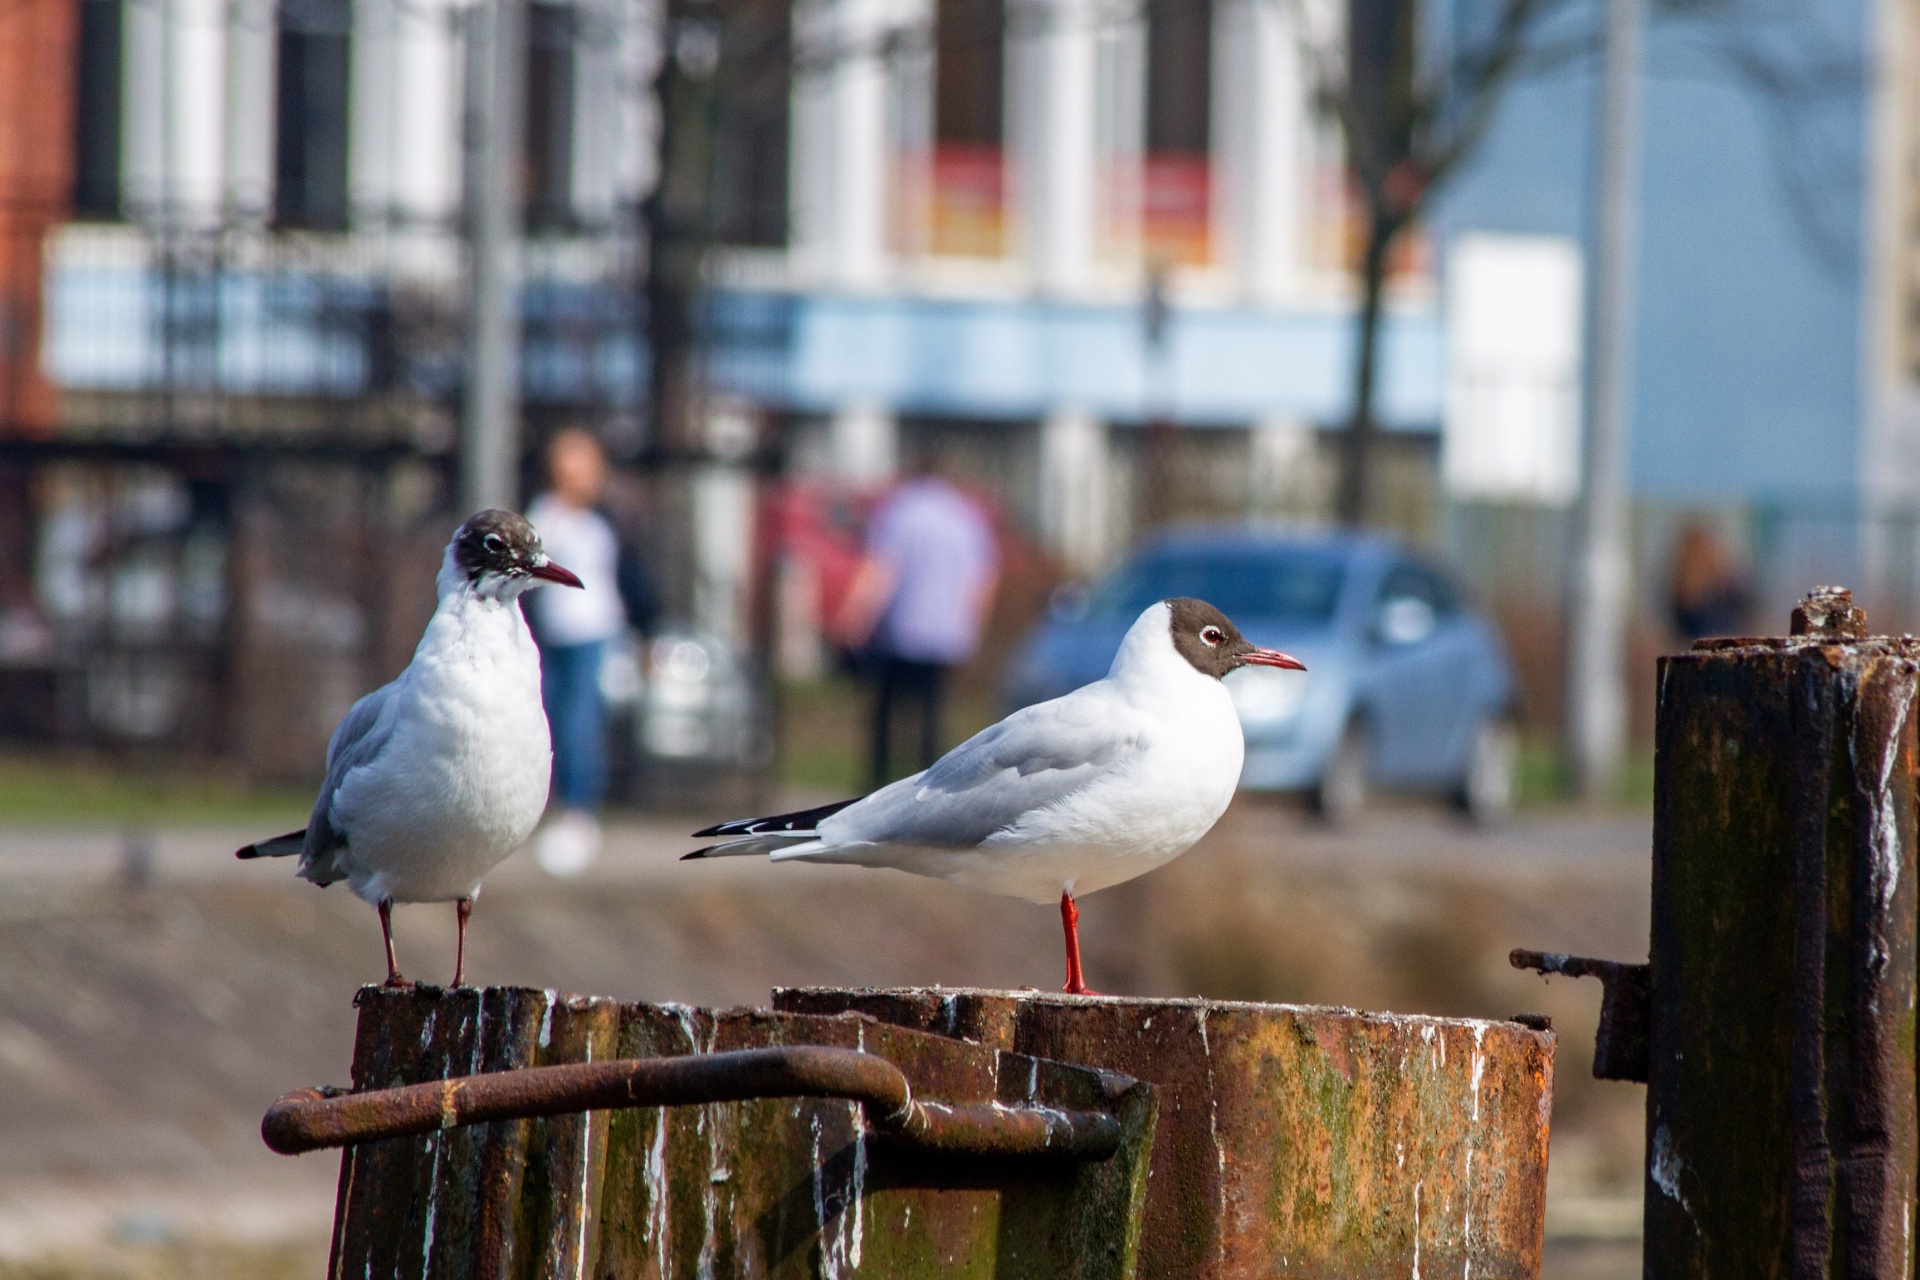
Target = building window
(310,138)
(969,129)
(96,116)
(547,179)
(751,142)
(1177,193)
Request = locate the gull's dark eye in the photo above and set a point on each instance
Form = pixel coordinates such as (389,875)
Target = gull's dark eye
(1212,636)
(494,543)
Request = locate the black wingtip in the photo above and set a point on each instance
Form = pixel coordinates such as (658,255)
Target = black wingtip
(801,820)
(278,847)
(697,853)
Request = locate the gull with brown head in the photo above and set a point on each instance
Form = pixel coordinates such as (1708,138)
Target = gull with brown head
(1062,798)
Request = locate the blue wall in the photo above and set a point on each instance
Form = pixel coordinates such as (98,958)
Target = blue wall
(1748,359)
(1010,359)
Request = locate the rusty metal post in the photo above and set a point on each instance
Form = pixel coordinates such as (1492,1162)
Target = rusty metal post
(1781,1115)
(772,1185)
(1280,1141)
(1295,1141)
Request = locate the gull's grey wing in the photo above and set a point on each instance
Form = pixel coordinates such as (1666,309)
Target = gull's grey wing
(1035,758)
(357,739)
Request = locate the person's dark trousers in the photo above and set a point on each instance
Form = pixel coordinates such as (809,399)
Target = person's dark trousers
(917,684)
(577,716)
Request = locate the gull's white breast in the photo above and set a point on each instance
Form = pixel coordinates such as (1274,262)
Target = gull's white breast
(463,781)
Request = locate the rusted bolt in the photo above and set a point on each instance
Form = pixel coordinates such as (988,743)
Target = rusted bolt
(1829,612)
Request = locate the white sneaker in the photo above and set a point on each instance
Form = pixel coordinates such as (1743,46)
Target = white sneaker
(568,844)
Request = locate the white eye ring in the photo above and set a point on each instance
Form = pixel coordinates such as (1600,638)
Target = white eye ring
(1212,636)
(494,543)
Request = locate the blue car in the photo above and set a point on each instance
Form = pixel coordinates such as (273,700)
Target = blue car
(1407,686)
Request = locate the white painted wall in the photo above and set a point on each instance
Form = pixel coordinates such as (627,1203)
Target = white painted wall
(174,147)
(616,120)
(1053,65)
(1262,145)
(810,138)
(249,109)
(1283,483)
(199,125)
(1513,308)
(723,510)
(1120,132)
(861,131)
(864,443)
(403,149)
(1076,486)
(861,99)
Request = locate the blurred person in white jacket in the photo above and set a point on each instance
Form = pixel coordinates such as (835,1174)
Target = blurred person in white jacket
(573,636)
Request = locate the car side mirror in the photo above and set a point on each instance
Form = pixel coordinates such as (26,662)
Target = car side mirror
(1404,620)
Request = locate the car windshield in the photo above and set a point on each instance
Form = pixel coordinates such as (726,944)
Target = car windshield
(1246,585)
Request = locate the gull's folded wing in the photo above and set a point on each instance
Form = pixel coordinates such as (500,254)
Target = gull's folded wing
(357,740)
(1034,759)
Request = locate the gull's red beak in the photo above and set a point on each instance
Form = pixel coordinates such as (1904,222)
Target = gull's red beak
(1273,658)
(551,572)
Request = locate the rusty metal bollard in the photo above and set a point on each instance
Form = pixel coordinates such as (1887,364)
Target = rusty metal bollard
(780,1179)
(1293,1140)
(914,1133)
(1774,1024)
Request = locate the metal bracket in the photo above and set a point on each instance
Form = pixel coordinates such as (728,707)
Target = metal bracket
(310,1119)
(1626,1008)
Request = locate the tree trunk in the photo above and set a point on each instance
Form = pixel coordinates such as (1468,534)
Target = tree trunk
(1357,466)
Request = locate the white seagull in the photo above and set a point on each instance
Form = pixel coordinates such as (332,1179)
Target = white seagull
(1061,798)
(435,778)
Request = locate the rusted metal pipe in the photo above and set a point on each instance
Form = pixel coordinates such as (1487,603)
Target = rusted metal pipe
(311,1119)
(1626,1008)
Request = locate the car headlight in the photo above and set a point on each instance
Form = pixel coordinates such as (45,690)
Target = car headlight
(1265,694)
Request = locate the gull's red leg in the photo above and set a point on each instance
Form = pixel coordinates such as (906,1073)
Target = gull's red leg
(463,911)
(1070,921)
(386,931)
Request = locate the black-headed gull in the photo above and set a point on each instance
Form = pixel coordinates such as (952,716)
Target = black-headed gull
(435,778)
(1061,798)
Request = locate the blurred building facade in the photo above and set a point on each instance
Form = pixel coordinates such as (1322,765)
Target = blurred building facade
(1776,385)
(1097,254)
(233,262)
(1104,249)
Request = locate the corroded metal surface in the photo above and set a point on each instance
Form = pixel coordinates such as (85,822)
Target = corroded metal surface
(1293,1141)
(785,1188)
(1781,1117)
(313,1119)
(1626,1006)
